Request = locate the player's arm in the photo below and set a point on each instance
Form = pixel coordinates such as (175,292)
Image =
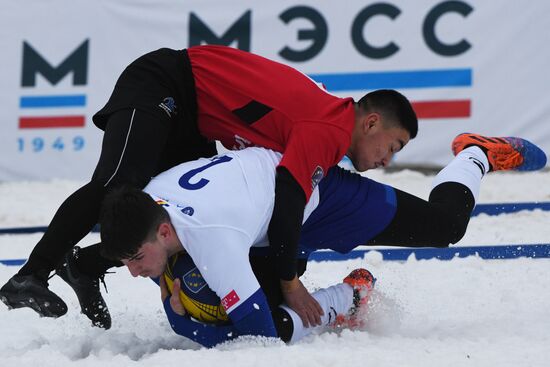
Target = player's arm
(284,235)
(286,222)
(210,335)
(204,334)
(255,322)
(311,149)
(221,254)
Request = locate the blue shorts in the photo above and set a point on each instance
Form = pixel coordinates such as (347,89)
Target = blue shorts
(352,210)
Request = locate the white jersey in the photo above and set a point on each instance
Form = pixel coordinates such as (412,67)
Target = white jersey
(220,207)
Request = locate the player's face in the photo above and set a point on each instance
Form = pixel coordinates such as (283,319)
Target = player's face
(376,145)
(149,261)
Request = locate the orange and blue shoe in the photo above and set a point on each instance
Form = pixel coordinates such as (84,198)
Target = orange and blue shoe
(507,153)
(362,282)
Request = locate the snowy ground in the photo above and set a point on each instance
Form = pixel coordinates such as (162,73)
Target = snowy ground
(464,312)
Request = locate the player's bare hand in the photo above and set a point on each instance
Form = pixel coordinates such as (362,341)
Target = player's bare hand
(164,292)
(175,301)
(298,298)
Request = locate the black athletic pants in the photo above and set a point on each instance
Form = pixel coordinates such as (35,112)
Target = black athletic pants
(136,146)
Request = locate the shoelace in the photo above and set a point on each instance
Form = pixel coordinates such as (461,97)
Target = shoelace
(102,279)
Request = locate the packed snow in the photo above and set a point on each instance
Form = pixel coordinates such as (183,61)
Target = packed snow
(463,312)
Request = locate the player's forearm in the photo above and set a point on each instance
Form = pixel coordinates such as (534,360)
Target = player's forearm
(207,335)
(286,223)
(252,317)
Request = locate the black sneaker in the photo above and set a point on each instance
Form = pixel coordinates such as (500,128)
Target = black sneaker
(87,290)
(32,291)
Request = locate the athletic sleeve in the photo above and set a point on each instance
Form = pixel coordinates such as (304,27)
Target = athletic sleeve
(221,255)
(209,335)
(311,150)
(286,223)
(205,334)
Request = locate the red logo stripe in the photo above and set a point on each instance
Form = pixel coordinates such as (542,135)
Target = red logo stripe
(442,109)
(51,122)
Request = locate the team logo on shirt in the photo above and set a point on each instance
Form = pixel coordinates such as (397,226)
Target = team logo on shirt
(316,177)
(169,106)
(188,211)
(194,281)
(229,300)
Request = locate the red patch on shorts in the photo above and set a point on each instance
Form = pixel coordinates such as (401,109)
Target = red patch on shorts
(230,299)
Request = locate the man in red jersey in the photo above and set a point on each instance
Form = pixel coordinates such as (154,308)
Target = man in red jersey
(169,107)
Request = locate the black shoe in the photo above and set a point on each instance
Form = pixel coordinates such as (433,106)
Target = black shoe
(32,291)
(87,290)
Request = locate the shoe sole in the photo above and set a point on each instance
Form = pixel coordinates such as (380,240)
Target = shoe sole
(534,157)
(20,302)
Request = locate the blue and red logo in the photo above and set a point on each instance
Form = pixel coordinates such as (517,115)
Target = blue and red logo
(436,78)
(34,64)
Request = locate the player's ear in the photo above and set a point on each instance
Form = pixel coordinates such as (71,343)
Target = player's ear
(164,230)
(371,120)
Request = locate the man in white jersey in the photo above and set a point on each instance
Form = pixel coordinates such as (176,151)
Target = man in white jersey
(216,209)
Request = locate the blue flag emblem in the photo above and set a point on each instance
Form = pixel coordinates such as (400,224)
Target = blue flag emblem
(194,281)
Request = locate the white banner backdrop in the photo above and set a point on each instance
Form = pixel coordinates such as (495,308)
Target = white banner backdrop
(467,65)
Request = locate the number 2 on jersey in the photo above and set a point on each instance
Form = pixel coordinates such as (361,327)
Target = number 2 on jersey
(185,178)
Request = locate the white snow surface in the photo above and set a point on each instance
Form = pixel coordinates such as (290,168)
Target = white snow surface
(463,312)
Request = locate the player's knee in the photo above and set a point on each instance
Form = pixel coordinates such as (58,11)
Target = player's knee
(454,203)
(451,229)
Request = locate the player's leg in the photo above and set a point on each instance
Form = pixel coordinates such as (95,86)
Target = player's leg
(84,269)
(337,301)
(142,75)
(334,300)
(131,148)
(264,269)
(137,144)
(344,305)
(444,218)
(354,210)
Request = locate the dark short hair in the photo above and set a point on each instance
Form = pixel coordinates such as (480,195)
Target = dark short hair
(128,218)
(393,106)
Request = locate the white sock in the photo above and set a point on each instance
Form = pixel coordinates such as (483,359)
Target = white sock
(334,300)
(468,168)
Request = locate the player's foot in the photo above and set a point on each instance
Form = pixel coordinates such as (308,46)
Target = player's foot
(504,153)
(32,291)
(87,290)
(362,282)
